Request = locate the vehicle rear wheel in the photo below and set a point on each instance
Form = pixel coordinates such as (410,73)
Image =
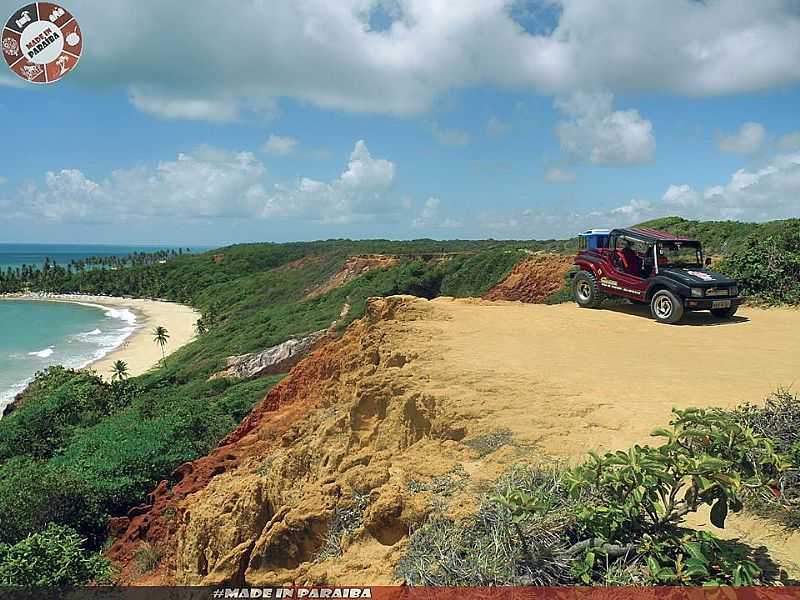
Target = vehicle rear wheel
(585,290)
(724,313)
(666,307)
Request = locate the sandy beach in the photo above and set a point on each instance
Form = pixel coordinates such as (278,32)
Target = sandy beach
(139,350)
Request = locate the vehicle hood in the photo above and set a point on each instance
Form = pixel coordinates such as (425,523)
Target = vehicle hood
(696,276)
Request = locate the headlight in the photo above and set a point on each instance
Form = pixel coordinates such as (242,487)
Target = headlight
(734,291)
(697,292)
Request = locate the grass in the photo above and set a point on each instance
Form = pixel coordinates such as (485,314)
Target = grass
(347,518)
(441,485)
(492,547)
(487,443)
(147,558)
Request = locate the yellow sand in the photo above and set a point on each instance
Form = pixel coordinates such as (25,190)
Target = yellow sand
(139,351)
(570,380)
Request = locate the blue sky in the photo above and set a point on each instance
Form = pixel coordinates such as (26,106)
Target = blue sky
(404,119)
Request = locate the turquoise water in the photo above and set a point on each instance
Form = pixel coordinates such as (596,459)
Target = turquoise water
(36,334)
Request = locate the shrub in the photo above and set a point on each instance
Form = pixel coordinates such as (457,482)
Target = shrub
(53,557)
(147,558)
(347,517)
(613,520)
(768,267)
(495,547)
(33,494)
(779,421)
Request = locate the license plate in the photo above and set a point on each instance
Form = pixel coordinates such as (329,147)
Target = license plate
(721,304)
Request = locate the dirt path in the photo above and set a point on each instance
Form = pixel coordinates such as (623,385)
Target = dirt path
(570,379)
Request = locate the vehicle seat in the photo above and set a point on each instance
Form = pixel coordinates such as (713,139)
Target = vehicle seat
(631,263)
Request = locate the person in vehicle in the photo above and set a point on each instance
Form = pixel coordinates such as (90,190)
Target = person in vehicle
(631,263)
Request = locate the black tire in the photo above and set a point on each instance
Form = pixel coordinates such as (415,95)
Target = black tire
(666,307)
(724,313)
(585,291)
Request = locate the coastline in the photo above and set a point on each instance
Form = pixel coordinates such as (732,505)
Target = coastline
(138,349)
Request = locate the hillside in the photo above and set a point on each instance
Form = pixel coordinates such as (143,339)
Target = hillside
(81,453)
(413,412)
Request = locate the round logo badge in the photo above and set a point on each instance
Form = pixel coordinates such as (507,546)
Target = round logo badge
(42,42)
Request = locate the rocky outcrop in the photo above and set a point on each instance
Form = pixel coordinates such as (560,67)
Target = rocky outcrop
(13,405)
(277,359)
(348,427)
(532,279)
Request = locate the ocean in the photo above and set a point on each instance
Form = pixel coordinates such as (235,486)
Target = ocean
(16,255)
(36,334)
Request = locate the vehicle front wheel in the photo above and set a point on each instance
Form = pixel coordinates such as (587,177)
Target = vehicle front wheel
(724,313)
(666,307)
(585,291)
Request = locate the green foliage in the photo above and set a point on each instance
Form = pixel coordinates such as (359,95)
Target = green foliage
(496,546)
(147,558)
(768,267)
(347,518)
(58,404)
(778,420)
(475,275)
(35,493)
(721,237)
(633,501)
(54,557)
(706,458)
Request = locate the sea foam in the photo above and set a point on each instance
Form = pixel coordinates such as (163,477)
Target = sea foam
(42,353)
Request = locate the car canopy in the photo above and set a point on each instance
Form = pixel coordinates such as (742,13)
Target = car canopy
(650,236)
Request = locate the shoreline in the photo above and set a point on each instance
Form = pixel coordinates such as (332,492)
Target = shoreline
(137,349)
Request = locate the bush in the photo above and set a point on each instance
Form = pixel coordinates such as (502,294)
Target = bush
(33,494)
(769,267)
(495,547)
(778,420)
(54,557)
(612,520)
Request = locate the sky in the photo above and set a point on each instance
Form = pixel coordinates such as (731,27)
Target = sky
(214,123)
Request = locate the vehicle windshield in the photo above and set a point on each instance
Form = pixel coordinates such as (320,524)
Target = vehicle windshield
(681,254)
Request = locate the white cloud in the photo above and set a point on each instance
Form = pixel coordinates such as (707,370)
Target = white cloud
(211,183)
(451,137)
(747,140)
(495,127)
(559,175)
(182,107)
(358,194)
(598,134)
(279,145)
(326,53)
(771,192)
(432,216)
(790,141)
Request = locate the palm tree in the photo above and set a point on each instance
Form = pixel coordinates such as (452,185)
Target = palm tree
(201,327)
(160,337)
(119,371)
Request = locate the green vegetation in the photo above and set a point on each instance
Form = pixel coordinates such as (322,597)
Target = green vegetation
(765,257)
(616,519)
(348,516)
(56,557)
(119,371)
(147,558)
(76,450)
(779,421)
